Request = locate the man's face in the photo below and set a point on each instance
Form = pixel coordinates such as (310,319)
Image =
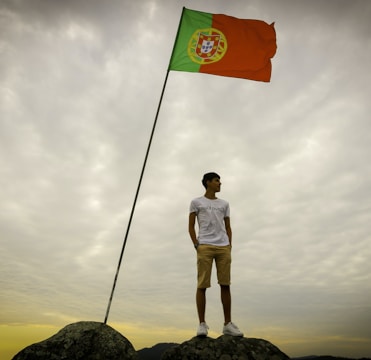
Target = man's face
(214,184)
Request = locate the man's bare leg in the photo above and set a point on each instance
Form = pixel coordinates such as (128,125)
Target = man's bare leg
(225,294)
(201,304)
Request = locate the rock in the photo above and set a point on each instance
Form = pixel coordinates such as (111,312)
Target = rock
(155,352)
(85,340)
(225,348)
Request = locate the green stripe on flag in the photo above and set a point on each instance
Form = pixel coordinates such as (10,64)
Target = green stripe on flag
(190,22)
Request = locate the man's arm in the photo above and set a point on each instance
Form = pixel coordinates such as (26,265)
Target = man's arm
(191,228)
(228,229)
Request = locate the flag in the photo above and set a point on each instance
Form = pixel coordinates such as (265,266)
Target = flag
(224,45)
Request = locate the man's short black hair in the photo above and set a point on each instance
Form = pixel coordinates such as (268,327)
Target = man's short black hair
(208,177)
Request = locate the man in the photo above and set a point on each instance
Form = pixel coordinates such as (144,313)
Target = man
(213,243)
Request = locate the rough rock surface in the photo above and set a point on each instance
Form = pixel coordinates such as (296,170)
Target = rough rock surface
(86,340)
(225,348)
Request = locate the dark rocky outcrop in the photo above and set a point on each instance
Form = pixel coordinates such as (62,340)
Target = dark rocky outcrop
(85,340)
(155,352)
(88,340)
(225,348)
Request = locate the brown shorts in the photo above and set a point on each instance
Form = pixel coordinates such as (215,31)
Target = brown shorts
(205,256)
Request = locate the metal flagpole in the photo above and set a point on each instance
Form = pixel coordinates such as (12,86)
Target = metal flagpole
(139,184)
(135,199)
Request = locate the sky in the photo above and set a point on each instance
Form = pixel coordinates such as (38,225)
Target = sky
(80,83)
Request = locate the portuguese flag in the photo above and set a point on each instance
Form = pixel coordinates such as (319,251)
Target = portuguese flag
(224,45)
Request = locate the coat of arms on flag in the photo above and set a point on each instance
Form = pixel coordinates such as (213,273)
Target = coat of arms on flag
(207,46)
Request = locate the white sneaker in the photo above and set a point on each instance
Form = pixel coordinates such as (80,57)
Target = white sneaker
(202,329)
(231,329)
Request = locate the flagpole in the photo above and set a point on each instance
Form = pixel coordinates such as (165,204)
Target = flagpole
(140,182)
(135,199)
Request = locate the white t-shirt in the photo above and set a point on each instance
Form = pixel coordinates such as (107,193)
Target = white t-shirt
(210,218)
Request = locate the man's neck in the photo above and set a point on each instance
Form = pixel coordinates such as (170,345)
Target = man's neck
(210,195)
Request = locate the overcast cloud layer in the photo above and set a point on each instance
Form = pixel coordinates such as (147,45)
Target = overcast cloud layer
(80,83)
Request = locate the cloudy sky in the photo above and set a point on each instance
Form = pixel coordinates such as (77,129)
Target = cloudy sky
(80,83)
